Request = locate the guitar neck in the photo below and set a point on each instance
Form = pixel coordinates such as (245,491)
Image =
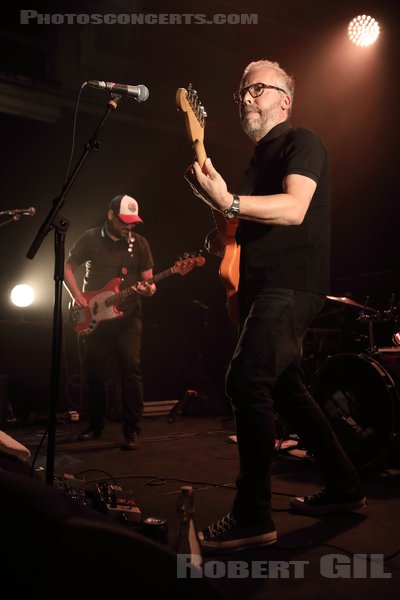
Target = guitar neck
(127,292)
(200,152)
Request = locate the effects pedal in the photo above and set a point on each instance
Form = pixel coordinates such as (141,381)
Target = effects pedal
(124,509)
(118,503)
(110,499)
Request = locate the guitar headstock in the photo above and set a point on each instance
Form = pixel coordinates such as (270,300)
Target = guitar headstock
(188,102)
(188,262)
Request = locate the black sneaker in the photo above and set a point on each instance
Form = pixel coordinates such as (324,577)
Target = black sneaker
(130,443)
(88,435)
(324,502)
(228,535)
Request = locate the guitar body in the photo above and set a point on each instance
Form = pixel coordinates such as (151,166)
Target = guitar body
(229,266)
(102,304)
(188,102)
(86,320)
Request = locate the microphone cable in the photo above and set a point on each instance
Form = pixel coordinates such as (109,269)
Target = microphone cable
(73,133)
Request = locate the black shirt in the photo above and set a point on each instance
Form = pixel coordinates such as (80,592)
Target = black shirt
(106,259)
(295,256)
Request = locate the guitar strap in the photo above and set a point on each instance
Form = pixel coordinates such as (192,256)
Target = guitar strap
(125,260)
(123,269)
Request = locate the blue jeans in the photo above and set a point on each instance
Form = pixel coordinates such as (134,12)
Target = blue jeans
(264,374)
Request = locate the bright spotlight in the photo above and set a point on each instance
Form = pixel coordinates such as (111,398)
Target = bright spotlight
(363,30)
(22,295)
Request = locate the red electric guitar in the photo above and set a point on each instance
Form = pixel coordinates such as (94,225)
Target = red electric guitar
(188,102)
(102,304)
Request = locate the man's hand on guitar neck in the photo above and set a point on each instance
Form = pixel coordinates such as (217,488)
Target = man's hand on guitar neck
(210,186)
(196,188)
(145,289)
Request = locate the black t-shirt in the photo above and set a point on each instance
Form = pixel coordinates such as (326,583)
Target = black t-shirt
(106,259)
(296,256)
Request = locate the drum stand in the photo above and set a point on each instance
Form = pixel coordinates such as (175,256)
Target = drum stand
(372,348)
(371,316)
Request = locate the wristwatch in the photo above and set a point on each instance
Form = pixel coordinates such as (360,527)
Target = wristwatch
(234,209)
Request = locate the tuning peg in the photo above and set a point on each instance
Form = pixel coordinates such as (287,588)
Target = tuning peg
(193,254)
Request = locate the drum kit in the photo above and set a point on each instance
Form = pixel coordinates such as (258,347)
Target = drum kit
(360,393)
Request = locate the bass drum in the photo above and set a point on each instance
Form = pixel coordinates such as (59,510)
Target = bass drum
(360,396)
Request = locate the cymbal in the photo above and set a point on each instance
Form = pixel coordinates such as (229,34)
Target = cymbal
(350,302)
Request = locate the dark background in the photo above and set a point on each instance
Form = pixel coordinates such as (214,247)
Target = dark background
(348,95)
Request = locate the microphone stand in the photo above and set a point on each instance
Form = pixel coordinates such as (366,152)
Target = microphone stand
(60,224)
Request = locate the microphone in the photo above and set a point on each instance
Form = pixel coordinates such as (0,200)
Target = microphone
(29,212)
(139,92)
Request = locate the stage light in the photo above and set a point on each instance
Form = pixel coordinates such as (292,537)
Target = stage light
(363,30)
(22,295)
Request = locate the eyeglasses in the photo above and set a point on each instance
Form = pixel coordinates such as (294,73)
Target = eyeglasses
(255,90)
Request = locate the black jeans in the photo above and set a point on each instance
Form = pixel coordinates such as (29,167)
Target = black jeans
(119,340)
(264,371)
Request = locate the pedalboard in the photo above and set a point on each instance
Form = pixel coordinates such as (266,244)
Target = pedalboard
(104,496)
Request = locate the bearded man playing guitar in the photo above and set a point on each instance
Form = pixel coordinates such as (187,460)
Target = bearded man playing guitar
(283,209)
(113,251)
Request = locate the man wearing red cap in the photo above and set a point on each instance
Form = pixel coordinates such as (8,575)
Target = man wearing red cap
(114,250)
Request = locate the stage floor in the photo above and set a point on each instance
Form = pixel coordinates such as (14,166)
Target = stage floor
(199,451)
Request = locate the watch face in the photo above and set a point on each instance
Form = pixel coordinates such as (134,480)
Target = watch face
(234,210)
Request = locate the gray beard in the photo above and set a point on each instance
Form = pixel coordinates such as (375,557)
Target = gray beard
(256,129)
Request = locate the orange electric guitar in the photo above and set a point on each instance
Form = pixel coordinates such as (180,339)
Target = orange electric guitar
(195,115)
(103,304)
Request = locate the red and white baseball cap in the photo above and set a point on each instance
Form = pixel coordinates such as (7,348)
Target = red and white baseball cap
(126,208)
